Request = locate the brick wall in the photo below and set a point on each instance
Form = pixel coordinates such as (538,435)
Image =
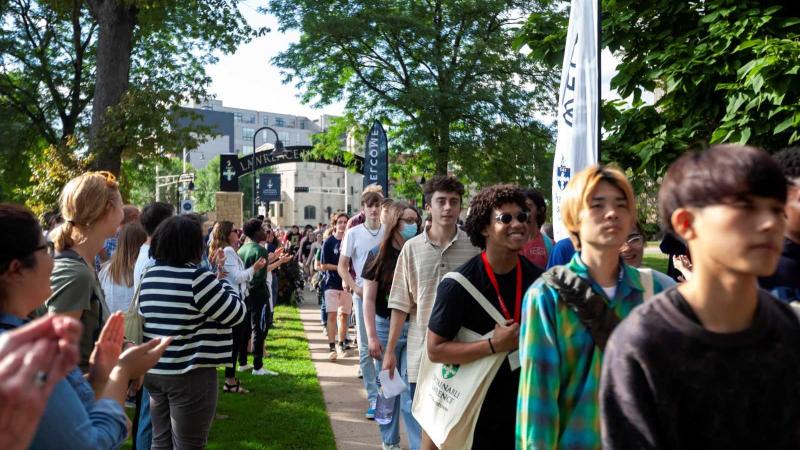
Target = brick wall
(230,207)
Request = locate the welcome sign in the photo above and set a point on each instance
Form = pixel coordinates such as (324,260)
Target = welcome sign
(376,158)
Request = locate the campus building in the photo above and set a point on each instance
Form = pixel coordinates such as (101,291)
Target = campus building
(310,192)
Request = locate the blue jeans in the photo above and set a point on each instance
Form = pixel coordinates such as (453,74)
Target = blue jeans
(144,432)
(390,433)
(364,360)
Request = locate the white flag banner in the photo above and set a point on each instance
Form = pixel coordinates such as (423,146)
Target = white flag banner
(578,104)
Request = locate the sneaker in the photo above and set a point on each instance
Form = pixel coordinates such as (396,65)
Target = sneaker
(370,414)
(391,446)
(360,375)
(342,352)
(245,368)
(332,355)
(264,371)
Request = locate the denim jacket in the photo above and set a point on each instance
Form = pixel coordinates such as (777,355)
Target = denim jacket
(72,418)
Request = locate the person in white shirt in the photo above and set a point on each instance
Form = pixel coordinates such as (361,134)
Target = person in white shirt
(222,252)
(151,217)
(358,241)
(116,275)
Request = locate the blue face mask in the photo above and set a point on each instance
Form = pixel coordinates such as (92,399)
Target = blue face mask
(409,230)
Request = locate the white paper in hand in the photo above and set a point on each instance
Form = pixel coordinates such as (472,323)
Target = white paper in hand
(391,387)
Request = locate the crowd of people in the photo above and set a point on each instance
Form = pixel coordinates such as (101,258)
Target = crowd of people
(502,338)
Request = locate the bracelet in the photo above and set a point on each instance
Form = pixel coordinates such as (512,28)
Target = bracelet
(489,340)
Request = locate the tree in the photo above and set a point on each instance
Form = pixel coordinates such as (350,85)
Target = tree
(138,179)
(159,47)
(206,185)
(441,73)
(721,70)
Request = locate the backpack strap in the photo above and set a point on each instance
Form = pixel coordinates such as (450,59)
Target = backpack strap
(646,278)
(591,308)
(476,294)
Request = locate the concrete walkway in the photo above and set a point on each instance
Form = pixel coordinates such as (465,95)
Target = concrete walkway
(345,397)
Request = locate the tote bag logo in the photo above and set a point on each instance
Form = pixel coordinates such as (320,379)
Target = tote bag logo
(449,371)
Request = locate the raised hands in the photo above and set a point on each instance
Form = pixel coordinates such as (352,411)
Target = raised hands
(33,358)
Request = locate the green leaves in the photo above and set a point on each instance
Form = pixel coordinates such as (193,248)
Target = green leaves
(443,77)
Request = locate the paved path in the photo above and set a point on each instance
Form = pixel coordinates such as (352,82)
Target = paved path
(345,397)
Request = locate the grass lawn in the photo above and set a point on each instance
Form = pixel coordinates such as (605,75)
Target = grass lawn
(655,261)
(280,412)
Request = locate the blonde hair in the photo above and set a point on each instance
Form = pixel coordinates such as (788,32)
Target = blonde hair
(120,267)
(84,200)
(577,196)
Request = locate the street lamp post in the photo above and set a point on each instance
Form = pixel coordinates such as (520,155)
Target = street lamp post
(277,149)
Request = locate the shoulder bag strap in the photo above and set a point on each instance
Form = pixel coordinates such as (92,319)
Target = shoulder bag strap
(646,278)
(796,308)
(133,308)
(592,309)
(476,294)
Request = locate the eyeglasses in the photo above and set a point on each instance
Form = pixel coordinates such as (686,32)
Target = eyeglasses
(635,240)
(506,218)
(49,246)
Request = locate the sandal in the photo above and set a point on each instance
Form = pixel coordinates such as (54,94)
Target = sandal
(235,388)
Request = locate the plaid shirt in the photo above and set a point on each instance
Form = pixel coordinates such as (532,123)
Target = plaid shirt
(557,405)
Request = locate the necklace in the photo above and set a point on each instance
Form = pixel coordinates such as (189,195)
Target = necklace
(375,234)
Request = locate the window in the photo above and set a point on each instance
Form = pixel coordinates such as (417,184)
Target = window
(272,209)
(247,134)
(310,213)
(351,190)
(328,212)
(237,116)
(280,209)
(279,122)
(338,182)
(303,124)
(265,120)
(249,118)
(247,149)
(291,123)
(284,137)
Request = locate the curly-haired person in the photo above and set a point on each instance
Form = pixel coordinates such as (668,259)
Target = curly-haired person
(497,224)
(785,282)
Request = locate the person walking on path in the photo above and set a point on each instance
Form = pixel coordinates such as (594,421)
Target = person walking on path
(784,283)
(712,363)
(338,302)
(568,314)
(422,263)
(358,241)
(402,222)
(498,224)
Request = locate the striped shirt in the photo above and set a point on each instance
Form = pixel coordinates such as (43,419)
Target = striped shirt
(558,402)
(420,267)
(198,311)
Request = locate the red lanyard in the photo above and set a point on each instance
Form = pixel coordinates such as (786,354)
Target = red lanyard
(493,279)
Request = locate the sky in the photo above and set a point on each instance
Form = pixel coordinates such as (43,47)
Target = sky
(247,79)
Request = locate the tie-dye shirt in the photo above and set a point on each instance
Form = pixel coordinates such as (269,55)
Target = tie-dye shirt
(557,405)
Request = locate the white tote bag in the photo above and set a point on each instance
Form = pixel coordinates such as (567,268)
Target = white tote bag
(449,397)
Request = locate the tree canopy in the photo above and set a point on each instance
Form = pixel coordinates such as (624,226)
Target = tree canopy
(103,80)
(721,71)
(441,75)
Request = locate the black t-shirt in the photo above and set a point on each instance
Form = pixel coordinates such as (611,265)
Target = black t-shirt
(330,255)
(384,280)
(305,249)
(455,308)
(668,382)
